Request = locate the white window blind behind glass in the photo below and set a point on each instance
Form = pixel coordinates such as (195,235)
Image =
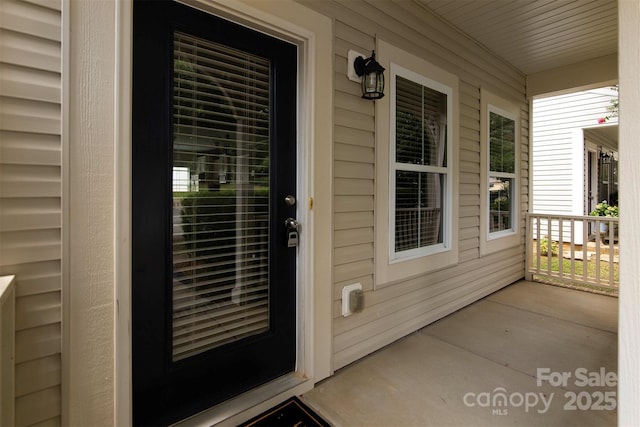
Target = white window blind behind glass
(420,158)
(221,202)
(502,172)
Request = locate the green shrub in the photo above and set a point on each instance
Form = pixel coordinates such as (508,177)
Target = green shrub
(544,247)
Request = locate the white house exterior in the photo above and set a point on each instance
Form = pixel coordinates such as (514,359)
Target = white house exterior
(66,191)
(574,152)
(563,137)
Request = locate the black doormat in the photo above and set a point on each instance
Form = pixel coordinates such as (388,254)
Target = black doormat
(290,413)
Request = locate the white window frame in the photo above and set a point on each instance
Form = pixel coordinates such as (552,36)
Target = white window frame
(391,267)
(495,241)
(394,256)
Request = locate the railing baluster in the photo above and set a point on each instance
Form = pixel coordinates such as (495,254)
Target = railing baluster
(573,249)
(560,248)
(599,238)
(585,253)
(549,245)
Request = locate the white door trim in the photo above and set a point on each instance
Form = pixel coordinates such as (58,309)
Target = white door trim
(313,34)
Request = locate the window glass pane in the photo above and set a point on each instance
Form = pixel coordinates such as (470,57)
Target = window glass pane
(500,199)
(501,143)
(421,124)
(419,199)
(220,201)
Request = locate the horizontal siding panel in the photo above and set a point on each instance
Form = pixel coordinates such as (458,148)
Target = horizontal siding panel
(51,422)
(353,203)
(353,170)
(29,116)
(30,246)
(354,136)
(346,220)
(27,83)
(29,181)
(30,149)
(469,199)
(468,255)
(38,310)
(469,167)
(353,236)
(50,4)
(353,119)
(465,188)
(47,401)
(30,221)
(469,221)
(470,178)
(28,51)
(469,211)
(38,374)
(354,153)
(469,233)
(28,189)
(25,18)
(353,35)
(351,102)
(467,244)
(38,342)
(343,85)
(465,155)
(349,254)
(353,270)
(469,135)
(344,186)
(342,45)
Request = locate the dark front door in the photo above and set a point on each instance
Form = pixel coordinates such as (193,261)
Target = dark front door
(214,127)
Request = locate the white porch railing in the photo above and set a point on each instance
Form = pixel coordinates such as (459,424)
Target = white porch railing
(7,350)
(579,251)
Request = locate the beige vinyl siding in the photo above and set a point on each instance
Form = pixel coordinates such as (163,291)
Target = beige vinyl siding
(30,198)
(400,308)
(553,151)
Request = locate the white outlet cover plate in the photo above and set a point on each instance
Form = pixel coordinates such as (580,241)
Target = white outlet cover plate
(346,311)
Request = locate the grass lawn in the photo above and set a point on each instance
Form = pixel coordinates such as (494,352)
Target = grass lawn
(579,272)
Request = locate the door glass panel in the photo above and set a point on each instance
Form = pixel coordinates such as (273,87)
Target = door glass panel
(220,195)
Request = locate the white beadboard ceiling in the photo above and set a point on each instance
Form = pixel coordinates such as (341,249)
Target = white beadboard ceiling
(536,35)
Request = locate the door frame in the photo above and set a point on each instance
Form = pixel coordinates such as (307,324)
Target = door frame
(313,33)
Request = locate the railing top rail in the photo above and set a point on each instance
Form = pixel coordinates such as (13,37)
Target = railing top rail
(572,217)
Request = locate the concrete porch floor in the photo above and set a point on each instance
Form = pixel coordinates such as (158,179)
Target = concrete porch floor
(454,371)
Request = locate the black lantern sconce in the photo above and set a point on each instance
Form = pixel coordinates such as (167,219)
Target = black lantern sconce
(606,158)
(372,76)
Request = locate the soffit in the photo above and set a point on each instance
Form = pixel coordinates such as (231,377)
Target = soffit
(535,35)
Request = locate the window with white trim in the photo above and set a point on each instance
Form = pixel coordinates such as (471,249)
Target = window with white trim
(418,170)
(500,156)
(502,173)
(416,199)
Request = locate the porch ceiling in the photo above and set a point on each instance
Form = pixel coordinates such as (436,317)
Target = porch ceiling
(536,35)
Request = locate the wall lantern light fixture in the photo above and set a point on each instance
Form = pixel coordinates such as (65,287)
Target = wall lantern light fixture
(372,76)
